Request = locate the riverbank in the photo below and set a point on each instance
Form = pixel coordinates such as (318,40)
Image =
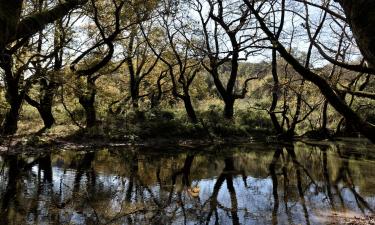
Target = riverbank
(81,139)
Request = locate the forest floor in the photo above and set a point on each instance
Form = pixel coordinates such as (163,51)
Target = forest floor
(148,134)
(69,137)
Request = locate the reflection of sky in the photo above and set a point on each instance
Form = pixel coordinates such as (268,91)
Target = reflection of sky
(255,200)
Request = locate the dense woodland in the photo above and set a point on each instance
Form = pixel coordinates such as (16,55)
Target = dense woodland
(197,69)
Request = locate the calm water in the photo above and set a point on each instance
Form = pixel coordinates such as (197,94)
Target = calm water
(249,184)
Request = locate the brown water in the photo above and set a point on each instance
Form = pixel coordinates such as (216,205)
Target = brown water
(255,183)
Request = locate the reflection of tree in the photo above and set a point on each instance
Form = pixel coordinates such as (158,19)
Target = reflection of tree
(84,165)
(11,191)
(167,210)
(233,197)
(327,179)
(275,194)
(185,172)
(298,167)
(12,203)
(325,186)
(155,188)
(163,204)
(345,175)
(132,179)
(227,175)
(44,165)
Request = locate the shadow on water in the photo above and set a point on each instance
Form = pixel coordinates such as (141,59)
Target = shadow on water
(290,183)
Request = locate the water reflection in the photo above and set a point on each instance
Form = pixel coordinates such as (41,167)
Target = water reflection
(253,184)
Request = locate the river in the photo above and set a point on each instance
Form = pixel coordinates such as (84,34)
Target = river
(252,183)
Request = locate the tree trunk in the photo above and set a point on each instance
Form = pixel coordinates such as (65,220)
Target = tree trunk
(325,115)
(135,96)
(47,116)
(88,105)
(10,13)
(295,121)
(87,101)
(44,108)
(361,18)
(134,87)
(275,97)
(46,102)
(12,95)
(10,123)
(190,109)
(229,108)
(45,111)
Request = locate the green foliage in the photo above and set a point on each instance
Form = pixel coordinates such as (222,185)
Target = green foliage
(169,119)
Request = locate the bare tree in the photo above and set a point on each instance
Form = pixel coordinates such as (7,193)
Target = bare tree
(178,54)
(224,25)
(332,96)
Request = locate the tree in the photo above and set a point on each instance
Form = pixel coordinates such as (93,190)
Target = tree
(108,30)
(298,91)
(48,80)
(360,17)
(140,62)
(332,96)
(177,53)
(225,24)
(16,29)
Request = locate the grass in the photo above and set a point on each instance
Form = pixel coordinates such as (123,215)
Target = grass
(169,124)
